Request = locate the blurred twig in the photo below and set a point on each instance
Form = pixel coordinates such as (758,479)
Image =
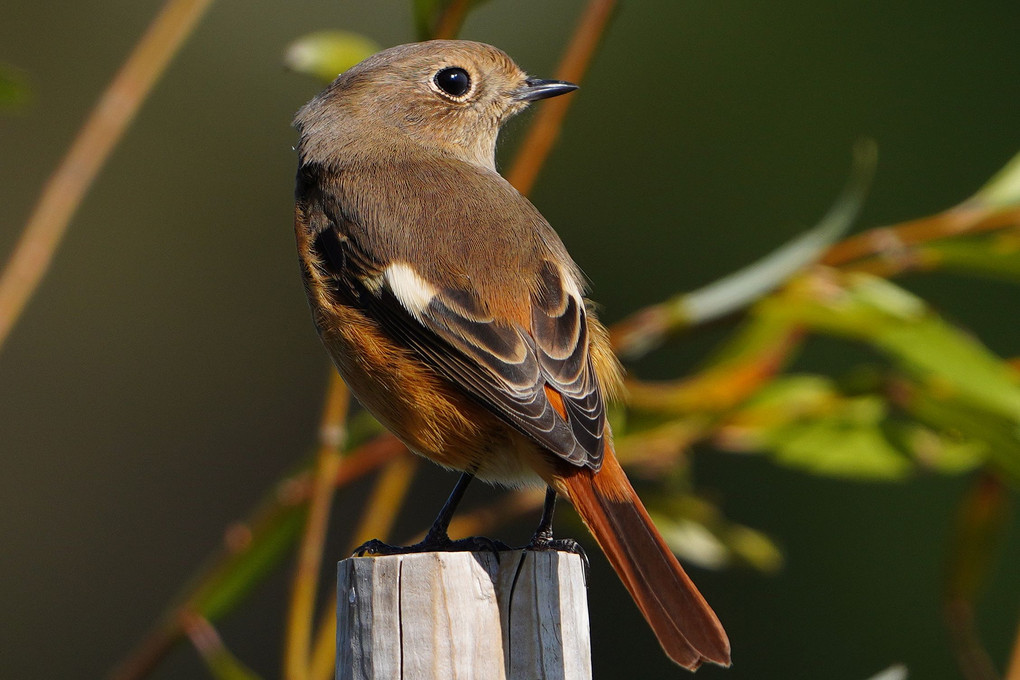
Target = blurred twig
(545,127)
(387,498)
(377,520)
(222,664)
(218,585)
(1013,670)
(451,19)
(881,241)
(883,251)
(979,527)
(648,328)
(892,250)
(67,186)
(752,357)
(332,436)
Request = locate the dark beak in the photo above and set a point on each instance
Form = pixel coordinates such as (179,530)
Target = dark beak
(536,88)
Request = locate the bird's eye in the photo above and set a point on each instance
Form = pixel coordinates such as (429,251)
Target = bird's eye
(454,81)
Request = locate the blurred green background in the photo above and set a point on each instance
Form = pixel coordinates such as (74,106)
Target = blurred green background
(166,372)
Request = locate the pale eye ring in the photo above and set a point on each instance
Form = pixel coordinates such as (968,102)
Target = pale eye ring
(453,80)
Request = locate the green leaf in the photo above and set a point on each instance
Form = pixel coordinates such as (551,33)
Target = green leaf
(999,437)
(806,422)
(840,447)
(1003,189)
(753,548)
(895,672)
(787,399)
(272,537)
(848,442)
(692,541)
(746,285)
(904,328)
(326,54)
(13,90)
(945,450)
(695,530)
(995,256)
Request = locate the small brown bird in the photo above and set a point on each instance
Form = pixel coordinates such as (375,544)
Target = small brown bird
(454,313)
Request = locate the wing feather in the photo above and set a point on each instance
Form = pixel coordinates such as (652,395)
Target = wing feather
(501,365)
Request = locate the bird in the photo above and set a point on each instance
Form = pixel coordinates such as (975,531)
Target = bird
(456,316)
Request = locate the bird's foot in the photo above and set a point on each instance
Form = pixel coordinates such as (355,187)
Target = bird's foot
(544,542)
(432,543)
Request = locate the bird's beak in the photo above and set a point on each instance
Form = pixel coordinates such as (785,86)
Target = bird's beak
(536,88)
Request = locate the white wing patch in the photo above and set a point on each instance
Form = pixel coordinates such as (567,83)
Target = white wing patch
(413,292)
(571,285)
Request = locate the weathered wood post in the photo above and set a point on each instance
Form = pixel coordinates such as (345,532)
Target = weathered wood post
(461,615)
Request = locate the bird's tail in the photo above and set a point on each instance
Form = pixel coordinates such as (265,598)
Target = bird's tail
(686,626)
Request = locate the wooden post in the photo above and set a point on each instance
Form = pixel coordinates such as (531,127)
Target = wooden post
(450,615)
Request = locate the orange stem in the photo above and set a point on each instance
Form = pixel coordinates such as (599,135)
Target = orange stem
(297,648)
(377,520)
(546,127)
(147,655)
(1013,670)
(451,19)
(880,241)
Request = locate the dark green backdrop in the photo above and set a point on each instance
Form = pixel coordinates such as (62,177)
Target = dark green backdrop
(167,371)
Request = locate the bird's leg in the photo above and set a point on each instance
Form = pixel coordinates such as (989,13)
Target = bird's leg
(543,538)
(438,539)
(438,533)
(544,532)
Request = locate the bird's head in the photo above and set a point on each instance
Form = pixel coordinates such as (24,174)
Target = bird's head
(449,96)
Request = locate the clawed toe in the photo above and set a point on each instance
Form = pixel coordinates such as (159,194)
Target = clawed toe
(543,542)
(376,548)
(432,543)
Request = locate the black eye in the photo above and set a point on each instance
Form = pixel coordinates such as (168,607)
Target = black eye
(454,81)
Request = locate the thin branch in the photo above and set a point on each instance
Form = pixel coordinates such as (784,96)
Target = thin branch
(888,242)
(370,456)
(148,654)
(377,520)
(450,21)
(1013,670)
(882,251)
(645,330)
(981,519)
(66,188)
(547,123)
(219,660)
(154,647)
(971,656)
(332,435)
(720,387)
(387,497)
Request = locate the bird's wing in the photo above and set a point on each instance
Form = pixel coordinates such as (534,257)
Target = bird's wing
(541,381)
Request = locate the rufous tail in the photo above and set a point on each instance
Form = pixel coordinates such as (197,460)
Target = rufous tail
(686,626)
